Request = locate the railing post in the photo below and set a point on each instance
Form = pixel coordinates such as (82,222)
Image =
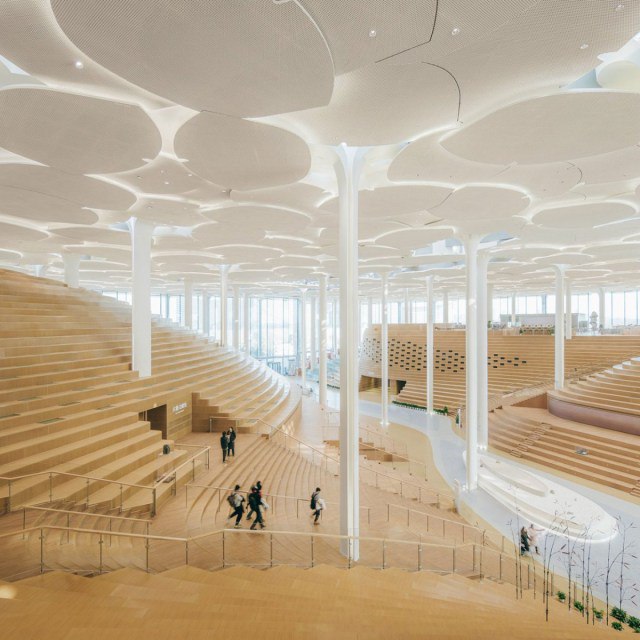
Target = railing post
(121,498)
(474,557)
(528,576)
(312,551)
(153,504)
(223,556)
(147,544)
(388,508)
(271,549)
(68,526)
(87,492)
(500,566)
(419,557)
(383,553)
(427,523)
(41,550)
(297,508)
(463,528)
(24,520)
(100,541)
(186,552)
(208,457)
(110,530)
(193,470)
(9,497)
(368,515)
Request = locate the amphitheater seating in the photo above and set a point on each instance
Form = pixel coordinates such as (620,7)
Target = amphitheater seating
(237,602)
(514,362)
(612,459)
(606,397)
(70,403)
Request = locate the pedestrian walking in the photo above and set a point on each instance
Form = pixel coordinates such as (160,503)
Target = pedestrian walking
(532,533)
(524,541)
(317,505)
(224,445)
(231,451)
(235,501)
(255,503)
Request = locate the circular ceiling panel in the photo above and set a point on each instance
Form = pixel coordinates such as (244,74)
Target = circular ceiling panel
(584,216)
(265,218)
(76,133)
(387,202)
(239,154)
(31,205)
(383,104)
(408,239)
(481,203)
(167,212)
(246,59)
(552,128)
(11,233)
(95,234)
(215,233)
(82,190)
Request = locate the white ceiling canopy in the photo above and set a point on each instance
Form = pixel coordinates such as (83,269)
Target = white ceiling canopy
(239,154)
(75,133)
(556,127)
(240,58)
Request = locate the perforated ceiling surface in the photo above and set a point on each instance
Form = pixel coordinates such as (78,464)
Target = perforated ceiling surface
(215,120)
(240,58)
(76,133)
(239,154)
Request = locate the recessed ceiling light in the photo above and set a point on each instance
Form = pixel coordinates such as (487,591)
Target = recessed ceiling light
(455,31)
(78,64)
(373,33)
(584,46)
(190,175)
(620,7)
(166,182)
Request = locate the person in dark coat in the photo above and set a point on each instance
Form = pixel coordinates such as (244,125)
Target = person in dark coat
(231,451)
(524,541)
(255,502)
(224,445)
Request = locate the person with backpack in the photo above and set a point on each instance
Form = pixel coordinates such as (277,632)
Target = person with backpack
(235,501)
(231,451)
(255,502)
(317,504)
(224,445)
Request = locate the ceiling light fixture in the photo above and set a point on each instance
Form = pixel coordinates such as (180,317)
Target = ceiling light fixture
(455,31)
(78,64)
(373,33)
(620,7)
(584,46)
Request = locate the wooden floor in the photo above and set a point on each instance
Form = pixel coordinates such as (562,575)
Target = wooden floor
(283,602)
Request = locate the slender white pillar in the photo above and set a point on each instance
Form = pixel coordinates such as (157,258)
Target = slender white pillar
(313,356)
(407,310)
(224,282)
(206,315)
(445,307)
(303,337)
(348,168)
(384,352)
(559,329)
(246,322)
(513,309)
(489,304)
(471,366)
(188,304)
(429,364)
(568,330)
(235,318)
(483,350)
(141,233)
(370,312)
(322,360)
(71,269)
(601,307)
(40,270)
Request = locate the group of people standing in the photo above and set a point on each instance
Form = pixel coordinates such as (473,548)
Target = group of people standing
(228,444)
(529,537)
(256,504)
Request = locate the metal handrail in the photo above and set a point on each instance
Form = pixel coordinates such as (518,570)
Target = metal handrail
(85,513)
